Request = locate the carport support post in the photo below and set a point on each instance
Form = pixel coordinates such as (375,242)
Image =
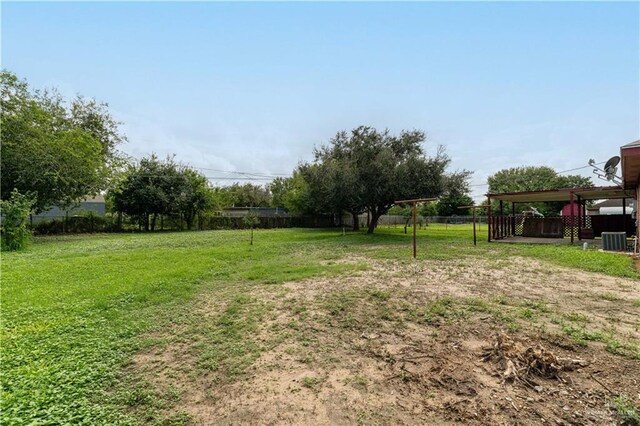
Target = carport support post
(572,217)
(513,219)
(584,213)
(501,226)
(489,219)
(579,219)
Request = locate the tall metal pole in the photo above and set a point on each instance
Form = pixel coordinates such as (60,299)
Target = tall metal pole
(414,228)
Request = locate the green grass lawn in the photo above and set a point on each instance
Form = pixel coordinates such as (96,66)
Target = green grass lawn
(75,308)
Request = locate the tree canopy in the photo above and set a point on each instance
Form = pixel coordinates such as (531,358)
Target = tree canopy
(278,189)
(246,195)
(367,169)
(153,188)
(56,152)
(455,195)
(533,178)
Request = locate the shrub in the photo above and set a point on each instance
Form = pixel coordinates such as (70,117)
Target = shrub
(88,222)
(15,211)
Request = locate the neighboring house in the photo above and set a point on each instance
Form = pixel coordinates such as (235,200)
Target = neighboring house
(574,223)
(92,204)
(606,207)
(630,156)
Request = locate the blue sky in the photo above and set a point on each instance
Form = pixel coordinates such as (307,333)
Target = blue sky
(254,86)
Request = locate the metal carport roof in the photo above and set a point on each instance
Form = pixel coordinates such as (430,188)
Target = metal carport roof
(593,193)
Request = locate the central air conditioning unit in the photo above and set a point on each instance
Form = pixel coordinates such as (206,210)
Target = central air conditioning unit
(614,241)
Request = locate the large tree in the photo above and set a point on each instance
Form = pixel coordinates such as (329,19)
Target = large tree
(247,195)
(155,188)
(278,188)
(195,196)
(144,192)
(532,178)
(455,194)
(367,169)
(297,199)
(51,151)
(518,179)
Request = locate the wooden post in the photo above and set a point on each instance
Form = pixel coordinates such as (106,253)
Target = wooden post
(473,210)
(414,229)
(513,219)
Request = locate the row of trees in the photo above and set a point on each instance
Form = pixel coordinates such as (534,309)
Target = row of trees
(520,179)
(56,152)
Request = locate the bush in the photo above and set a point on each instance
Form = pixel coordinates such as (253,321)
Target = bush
(15,211)
(86,223)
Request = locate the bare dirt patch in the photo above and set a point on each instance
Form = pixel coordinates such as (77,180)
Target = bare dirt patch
(410,343)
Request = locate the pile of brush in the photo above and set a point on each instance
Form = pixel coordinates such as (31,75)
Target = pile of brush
(521,362)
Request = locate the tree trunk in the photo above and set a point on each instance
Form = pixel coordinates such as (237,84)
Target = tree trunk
(356,221)
(373,223)
(153,222)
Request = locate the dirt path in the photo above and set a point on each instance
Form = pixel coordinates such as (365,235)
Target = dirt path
(409,343)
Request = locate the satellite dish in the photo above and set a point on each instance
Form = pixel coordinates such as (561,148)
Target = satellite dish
(610,167)
(608,172)
(612,162)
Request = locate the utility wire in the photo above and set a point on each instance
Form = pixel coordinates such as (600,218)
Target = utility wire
(249,176)
(208,177)
(274,175)
(562,171)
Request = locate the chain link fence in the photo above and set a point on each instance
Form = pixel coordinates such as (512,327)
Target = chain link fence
(93,223)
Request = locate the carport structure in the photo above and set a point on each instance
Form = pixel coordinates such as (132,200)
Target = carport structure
(503,225)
